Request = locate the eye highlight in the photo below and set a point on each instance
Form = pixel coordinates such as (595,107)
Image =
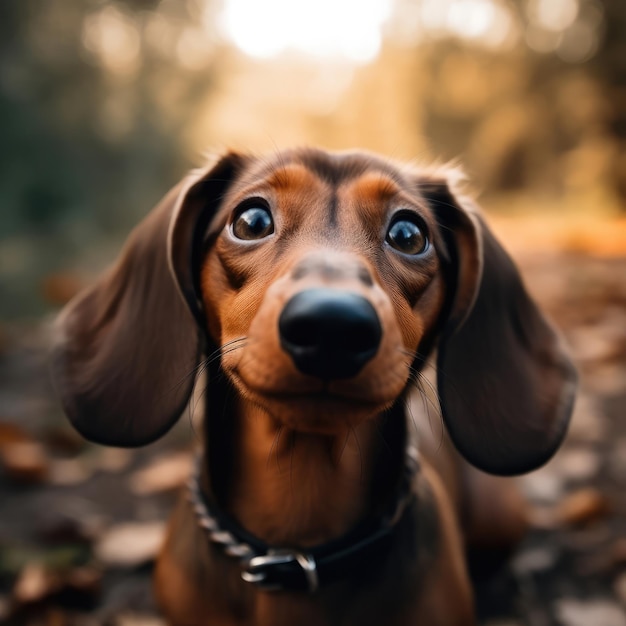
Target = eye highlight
(407,235)
(253,222)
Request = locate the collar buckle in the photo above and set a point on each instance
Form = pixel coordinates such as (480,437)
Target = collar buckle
(280,569)
(267,571)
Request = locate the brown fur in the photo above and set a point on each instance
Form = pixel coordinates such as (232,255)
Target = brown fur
(296,460)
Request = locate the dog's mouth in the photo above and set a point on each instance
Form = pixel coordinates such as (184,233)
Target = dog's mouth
(315,406)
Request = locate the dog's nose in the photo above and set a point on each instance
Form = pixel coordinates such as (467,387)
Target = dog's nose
(328,333)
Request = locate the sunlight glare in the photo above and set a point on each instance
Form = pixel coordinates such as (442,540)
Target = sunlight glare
(554,15)
(472,19)
(320,28)
(481,20)
(486,22)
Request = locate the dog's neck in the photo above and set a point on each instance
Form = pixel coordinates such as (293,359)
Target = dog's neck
(288,487)
(300,488)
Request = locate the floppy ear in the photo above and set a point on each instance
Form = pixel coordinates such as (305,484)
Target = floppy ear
(506,385)
(126,351)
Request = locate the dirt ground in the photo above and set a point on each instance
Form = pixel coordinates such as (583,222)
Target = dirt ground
(80,524)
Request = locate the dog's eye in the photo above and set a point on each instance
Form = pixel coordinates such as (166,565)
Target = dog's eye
(254,222)
(407,236)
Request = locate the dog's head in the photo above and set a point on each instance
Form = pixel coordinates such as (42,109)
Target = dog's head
(325,280)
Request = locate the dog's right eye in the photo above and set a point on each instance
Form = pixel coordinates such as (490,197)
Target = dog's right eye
(407,236)
(255,222)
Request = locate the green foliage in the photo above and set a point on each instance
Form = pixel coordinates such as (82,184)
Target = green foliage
(85,146)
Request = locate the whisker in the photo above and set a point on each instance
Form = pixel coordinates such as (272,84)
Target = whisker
(418,384)
(207,360)
(417,381)
(274,448)
(407,405)
(192,411)
(431,403)
(428,394)
(194,401)
(453,388)
(227,348)
(200,369)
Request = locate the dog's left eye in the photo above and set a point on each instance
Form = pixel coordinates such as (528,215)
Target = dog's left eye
(406,235)
(253,223)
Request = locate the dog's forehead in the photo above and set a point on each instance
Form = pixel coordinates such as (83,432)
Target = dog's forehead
(362,173)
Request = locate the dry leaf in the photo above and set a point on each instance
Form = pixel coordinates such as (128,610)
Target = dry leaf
(66,472)
(25,462)
(582,507)
(130,544)
(59,288)
(593,612)
(166,473)
(113,459)
(35,583)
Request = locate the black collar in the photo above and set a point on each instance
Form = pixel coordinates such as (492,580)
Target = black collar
(274,568)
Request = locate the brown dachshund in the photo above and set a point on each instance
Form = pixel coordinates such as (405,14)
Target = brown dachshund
(310,289)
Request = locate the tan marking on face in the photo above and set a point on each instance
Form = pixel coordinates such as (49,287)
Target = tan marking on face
(373,187)
(292,176)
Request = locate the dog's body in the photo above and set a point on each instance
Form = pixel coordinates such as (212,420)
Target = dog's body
(319,285)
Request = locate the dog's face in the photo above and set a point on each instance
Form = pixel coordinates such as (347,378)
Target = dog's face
(323,279)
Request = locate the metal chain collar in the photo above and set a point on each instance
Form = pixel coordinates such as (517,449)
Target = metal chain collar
(252,561)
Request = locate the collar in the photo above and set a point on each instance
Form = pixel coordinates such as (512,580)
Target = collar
(280,568)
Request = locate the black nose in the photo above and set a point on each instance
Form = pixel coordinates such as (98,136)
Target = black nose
(329,333)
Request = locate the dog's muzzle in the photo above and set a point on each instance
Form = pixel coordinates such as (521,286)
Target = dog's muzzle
(328,333)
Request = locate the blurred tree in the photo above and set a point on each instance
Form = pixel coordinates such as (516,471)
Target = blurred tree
(609,65)
(94,97)
(542,107)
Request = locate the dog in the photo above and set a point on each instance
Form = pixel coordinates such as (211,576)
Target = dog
(311,291)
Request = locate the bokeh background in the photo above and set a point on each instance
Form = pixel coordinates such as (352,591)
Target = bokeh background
(105,104)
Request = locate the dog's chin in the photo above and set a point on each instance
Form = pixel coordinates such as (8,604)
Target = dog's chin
(320,414)
(318,411)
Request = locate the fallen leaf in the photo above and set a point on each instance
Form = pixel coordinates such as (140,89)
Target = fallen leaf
(130,544)
(588,424)
(25,461)
(61,287)
(66,472)
(112,459)
(34,583)
(597,612)
(11,434)
(166,473)
(534,560)
(544,486)
(577,463)
(582,507)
